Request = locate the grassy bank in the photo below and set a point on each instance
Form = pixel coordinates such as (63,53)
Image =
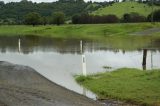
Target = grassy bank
(98,31)
(130,85)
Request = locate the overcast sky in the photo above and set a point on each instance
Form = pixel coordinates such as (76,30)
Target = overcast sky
(44,0)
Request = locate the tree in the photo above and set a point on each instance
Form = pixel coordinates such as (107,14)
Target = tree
(32,18)
(133,17)
(80,1)
(156,16)
(58,18)
(126,17)
(75,19)
(24,0)
(140,1)
(1,2)
(43,20)
(124,0)
(111,19)
(94,19)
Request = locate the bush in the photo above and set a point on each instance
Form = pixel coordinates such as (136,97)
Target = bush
(94,19)
(156,16)
(111,19)
(133,17)
(58,18)
(75,19)
(32,18)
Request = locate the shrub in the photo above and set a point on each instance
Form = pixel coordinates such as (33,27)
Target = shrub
(94,19)
(156,16)
(111,19)
(133,17)
(32,18)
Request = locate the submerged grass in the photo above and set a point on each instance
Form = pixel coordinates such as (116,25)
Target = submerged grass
(129,85)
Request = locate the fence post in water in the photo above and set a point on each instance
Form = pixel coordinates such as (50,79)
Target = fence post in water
(19,45)
(151,60)
(151,55)
(144,59)
(83,59)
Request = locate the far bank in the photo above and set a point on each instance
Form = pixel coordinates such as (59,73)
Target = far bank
(80,31)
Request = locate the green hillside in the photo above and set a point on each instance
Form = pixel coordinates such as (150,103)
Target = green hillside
(125,7)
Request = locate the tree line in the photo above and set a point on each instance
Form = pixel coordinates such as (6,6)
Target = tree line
(14,12)
(94,19)
(46,13)
(58,18)
(34,18)
(127,18)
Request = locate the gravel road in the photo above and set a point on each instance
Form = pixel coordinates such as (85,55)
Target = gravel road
(23,86)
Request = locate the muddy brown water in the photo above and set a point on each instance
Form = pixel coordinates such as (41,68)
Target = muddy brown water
(60,59)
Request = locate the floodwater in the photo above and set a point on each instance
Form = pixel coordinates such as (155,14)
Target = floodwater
(60,59)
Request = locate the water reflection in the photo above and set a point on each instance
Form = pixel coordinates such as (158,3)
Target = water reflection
(30,44)
(144,61)
(60,59)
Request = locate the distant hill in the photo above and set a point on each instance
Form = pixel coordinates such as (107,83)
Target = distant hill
(15,11)
(125,7)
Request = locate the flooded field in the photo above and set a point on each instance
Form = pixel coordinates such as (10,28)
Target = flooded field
(60,59)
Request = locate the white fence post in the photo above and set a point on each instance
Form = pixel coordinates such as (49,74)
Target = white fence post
(19,45)
(83,59)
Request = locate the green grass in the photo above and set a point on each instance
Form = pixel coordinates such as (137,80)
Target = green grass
(125,7)
(77,31)
(129,85)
